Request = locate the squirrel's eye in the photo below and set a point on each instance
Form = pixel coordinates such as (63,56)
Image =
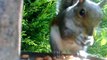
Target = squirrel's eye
(82,12)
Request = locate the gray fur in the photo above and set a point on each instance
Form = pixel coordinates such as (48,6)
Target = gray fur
(72,32)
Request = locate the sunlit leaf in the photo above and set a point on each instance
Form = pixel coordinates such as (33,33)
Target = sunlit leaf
(103,42)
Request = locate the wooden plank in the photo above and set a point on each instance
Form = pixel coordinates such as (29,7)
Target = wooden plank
(10,29)
(33,55)
(49,56)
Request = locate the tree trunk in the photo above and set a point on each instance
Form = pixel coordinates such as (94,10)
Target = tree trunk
(10,29)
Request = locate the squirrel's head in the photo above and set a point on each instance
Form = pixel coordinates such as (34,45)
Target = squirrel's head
(86,14)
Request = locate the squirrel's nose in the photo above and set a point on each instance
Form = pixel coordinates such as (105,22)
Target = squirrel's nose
(89,40)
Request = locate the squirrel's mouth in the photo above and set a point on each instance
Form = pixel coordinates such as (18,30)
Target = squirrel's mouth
(85,40)
(88,41)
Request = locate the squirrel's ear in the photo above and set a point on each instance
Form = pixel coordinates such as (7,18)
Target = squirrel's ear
(102,3)
(81,1)
(70,7)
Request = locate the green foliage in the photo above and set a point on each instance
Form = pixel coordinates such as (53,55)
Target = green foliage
(104,22)
(100,46)
(37,15)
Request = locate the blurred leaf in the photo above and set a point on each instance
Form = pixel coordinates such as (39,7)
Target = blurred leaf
(103,42)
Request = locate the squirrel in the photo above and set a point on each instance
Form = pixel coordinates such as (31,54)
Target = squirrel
(72,29)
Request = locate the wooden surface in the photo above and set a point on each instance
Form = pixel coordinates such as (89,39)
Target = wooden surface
(10,29)
(49,56)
